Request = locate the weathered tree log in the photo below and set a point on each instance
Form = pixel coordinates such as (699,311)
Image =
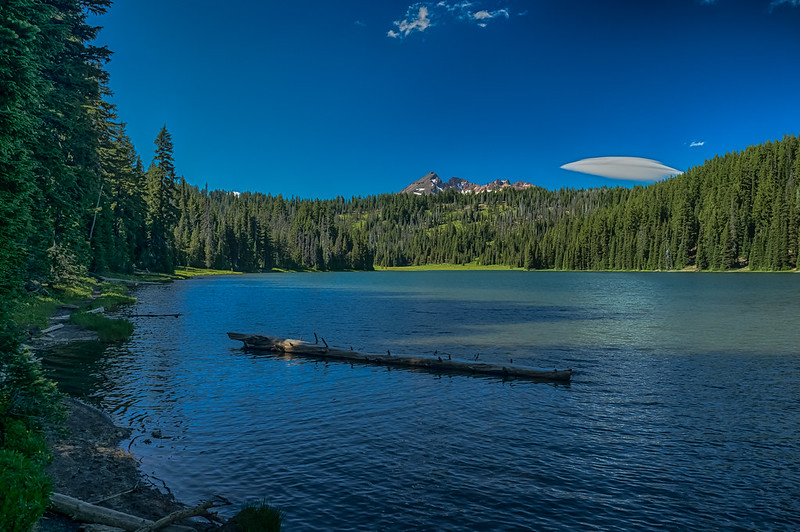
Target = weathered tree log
(53,328)
(90,513)
(437,363)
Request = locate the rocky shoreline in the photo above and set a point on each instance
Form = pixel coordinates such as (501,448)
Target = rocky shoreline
(88,463)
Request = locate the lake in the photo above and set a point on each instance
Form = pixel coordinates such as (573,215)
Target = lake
(683,412)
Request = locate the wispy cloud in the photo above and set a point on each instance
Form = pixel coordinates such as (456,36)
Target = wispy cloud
(423,15)
(627,168)
(772,5)
(696,143)
(776,3)
(359,23)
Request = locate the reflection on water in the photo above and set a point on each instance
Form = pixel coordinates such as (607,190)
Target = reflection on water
(683,411)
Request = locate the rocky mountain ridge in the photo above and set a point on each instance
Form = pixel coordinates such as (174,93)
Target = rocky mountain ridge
(433,184)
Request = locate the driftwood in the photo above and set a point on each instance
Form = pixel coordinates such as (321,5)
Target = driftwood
(125,281)
(199,510)
(53,328)
(436,363)
(96,310)
(90,513)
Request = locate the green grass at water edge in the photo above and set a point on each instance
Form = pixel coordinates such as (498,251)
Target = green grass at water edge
(108,329)
(112,295)
(472,266)
(258,517)
(181,272)
(187,272)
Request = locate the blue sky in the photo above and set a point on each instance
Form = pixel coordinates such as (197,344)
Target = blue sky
(316,98)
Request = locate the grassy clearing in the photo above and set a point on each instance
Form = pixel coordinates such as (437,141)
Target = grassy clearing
(187,272)
(33,312)
(181,272)
(112,295)
(34,309)
(472,266)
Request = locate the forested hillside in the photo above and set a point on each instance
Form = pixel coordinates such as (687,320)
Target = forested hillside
(735,211)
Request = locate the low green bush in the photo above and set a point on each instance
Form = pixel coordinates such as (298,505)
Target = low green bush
(25,493)
(25,392)
(16,435)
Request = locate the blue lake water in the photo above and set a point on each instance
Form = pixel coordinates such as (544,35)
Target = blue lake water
(683,413)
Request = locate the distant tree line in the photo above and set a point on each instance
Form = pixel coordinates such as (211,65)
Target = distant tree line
(76,197)
(738,210)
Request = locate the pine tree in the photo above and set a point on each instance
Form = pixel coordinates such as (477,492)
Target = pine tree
(162,206)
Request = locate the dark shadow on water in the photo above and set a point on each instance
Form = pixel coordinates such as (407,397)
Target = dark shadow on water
(77,368)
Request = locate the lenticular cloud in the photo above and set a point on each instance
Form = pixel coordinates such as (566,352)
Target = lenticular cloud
(629,168)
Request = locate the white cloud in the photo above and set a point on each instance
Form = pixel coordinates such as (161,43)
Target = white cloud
(422,15)
(420,22)
(483,14)
(627,168)
(359,23)
(696,143)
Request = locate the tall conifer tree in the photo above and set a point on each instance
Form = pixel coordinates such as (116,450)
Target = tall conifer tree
(162,205)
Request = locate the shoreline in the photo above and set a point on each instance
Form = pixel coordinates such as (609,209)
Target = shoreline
(88,461)
(89,464)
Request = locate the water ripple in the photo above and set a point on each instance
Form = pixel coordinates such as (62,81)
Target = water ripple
(674,420)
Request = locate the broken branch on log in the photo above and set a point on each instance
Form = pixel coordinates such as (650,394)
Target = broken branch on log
(199,510)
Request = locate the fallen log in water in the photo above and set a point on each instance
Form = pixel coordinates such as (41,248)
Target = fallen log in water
(90,513)
(273,344)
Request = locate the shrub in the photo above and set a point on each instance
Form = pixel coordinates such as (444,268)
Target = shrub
(257,517)
(24,390)
(25,493)
(17,436)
